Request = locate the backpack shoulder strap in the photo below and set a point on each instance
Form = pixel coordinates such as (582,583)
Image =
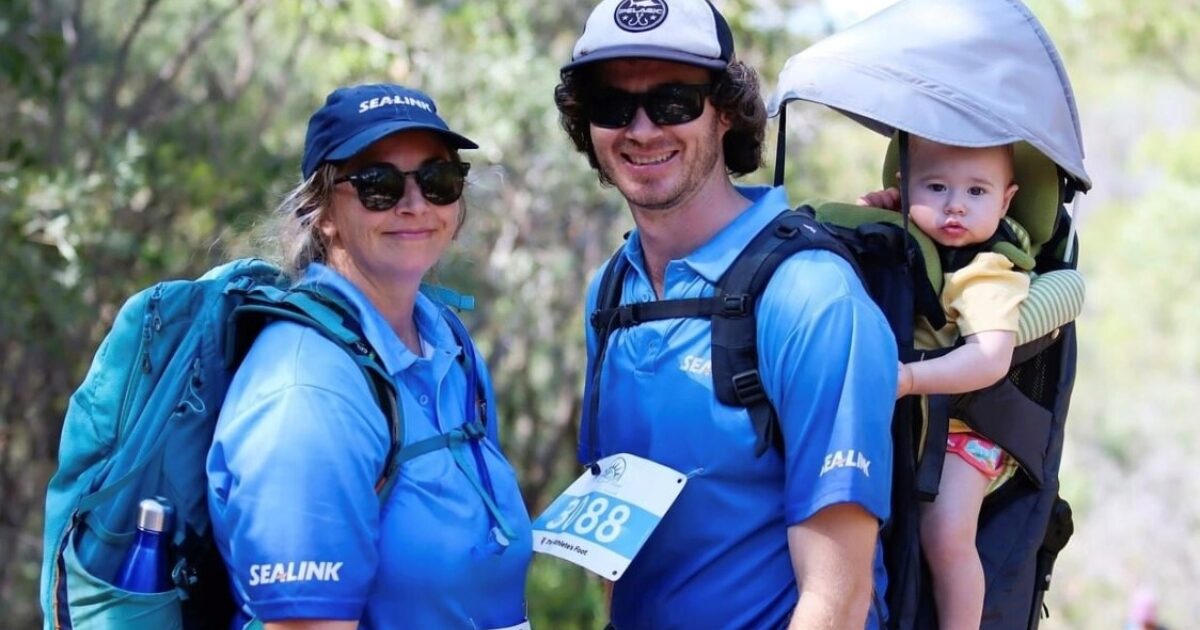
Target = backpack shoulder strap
(602,319)
(610,314)
(608,295)
(477,403)
(473,430)
(736,378)
(334,319)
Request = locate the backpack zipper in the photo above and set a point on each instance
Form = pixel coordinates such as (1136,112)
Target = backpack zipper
(151,323)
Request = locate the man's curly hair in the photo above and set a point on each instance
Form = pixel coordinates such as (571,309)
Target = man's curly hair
(735,94)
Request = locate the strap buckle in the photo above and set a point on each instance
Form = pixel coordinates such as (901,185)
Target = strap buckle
(629,315)
(786,231)
(735,305)
(474,430)
(597,322)
(747,386)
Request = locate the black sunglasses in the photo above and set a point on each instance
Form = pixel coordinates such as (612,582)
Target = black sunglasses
(670,104)
(381,186)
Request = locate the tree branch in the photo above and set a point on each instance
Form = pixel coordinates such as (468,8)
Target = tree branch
(246,59)
(118,74)
(282,81)
(170,71)
(375,39)
(58,112)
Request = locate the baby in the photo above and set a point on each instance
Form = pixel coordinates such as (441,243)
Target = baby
(958,197)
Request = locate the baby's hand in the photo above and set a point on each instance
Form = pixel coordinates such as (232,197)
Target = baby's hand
(904,384)
(888,199)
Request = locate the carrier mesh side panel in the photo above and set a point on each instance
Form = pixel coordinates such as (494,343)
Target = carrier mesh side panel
(1033,377)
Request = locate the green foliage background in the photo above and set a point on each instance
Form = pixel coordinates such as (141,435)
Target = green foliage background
(142,139)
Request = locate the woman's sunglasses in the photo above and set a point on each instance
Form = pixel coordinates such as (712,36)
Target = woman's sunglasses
(381,186)
(670,104)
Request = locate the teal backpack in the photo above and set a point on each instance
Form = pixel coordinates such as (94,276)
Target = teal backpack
(141,423)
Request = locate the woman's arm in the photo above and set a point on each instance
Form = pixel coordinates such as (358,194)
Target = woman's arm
(978,363)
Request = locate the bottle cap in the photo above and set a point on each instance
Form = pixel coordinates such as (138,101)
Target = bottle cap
(153,515)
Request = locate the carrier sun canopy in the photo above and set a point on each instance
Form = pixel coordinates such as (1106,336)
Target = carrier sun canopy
(968,73)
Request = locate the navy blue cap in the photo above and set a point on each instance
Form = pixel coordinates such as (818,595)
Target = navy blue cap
(353,118)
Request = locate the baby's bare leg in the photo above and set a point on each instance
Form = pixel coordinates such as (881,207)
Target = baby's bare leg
(948,528)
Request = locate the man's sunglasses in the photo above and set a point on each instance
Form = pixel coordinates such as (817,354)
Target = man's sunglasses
(381,186)
(670,104)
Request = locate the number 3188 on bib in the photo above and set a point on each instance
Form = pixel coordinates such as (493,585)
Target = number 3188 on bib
(602,520)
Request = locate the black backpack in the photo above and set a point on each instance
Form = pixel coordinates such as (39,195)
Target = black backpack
(1015,520)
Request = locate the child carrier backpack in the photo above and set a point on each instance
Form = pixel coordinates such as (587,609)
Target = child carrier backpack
(897,274)
(141,423)
(974,74)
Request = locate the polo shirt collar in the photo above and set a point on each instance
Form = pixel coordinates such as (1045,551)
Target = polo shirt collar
(396,356)
(714,257)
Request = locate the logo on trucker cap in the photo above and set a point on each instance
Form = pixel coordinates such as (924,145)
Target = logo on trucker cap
(636,16)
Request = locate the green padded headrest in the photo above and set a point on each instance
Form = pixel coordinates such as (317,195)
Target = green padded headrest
(1035,206)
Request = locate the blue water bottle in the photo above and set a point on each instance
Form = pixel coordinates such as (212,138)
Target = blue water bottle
(144,569)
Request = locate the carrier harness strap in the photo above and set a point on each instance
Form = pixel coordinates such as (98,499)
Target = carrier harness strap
(1005,241)
(607,297)
(882,246)
(736,380)
(933,452)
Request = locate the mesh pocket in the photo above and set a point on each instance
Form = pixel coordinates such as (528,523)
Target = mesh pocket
(92,602)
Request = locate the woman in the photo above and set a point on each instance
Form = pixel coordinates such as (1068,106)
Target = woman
(302,443)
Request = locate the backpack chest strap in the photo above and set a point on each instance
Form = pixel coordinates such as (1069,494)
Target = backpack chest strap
(630,315)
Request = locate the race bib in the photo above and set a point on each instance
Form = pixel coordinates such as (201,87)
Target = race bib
(601,521)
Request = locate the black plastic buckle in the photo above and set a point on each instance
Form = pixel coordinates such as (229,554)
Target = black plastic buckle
(786,231)
(627,316)
(747,386)
(734,305)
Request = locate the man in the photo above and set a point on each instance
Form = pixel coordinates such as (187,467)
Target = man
(657,101)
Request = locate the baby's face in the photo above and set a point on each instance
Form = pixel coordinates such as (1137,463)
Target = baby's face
(958,195)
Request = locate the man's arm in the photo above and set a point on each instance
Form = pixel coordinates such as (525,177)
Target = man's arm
(832,555)
(980,362)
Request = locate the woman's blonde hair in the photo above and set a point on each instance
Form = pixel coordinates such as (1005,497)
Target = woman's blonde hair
(291,236)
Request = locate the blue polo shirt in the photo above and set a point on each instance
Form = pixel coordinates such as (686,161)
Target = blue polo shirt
(719,559)
(299,446)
